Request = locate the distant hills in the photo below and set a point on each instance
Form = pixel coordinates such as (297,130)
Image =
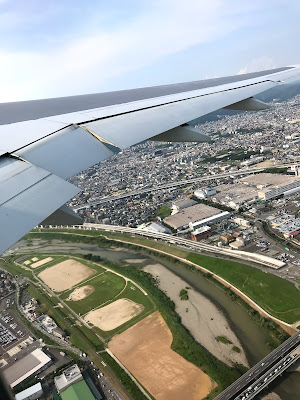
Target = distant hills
(278,94)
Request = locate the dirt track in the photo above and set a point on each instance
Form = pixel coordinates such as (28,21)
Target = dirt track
(65,275)
(41,262)
(145,350)
(114,314)
(81,293)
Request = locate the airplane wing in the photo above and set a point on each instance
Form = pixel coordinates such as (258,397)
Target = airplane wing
(44,142)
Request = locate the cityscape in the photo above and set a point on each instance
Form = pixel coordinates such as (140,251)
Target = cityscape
(149,200)
(235,199)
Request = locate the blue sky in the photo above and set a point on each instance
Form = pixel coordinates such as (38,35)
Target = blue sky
(62,47)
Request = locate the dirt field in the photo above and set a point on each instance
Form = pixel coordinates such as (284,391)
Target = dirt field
(81,293)
(145,350)
(65,275)
(114,314)
(41,262)
(27,262)
(34,259)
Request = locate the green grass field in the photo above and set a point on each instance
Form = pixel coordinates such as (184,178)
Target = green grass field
(107,285)
(277,296)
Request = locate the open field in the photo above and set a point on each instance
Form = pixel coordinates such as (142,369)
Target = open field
(200,316)
(81,292)
(106,286)
(277,296)
(41,262)
(145,350)
(114,314)
(65,275)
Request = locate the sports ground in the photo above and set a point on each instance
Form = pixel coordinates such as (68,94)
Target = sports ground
(125,316)
(104,299)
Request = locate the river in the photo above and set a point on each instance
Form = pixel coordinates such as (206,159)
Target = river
(250,335)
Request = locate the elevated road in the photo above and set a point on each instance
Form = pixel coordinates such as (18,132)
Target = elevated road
(170,185)
(190,244)
(263,373)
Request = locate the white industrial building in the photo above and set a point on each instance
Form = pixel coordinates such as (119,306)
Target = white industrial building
(67,378)
(214,219)
(154,227)
(29,365)
(32,393)
(196,213)
(204,193)
(285,190)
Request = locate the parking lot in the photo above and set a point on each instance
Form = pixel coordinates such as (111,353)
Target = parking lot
(15,338)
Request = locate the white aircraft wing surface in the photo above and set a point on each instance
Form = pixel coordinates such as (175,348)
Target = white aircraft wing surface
(44,142)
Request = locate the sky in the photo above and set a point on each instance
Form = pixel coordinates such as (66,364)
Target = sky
(58,48)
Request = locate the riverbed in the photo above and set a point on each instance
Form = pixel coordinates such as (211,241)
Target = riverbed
(251,337)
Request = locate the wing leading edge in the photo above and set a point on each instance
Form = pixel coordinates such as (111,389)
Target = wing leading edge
(51,140)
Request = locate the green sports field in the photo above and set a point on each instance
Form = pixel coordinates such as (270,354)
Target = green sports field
(275,295)
(107,285)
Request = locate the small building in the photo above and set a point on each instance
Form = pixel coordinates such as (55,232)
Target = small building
(32,393)
(201,233)
(226,239)
(242,222)
(237,244)
(154,227)
(204,193)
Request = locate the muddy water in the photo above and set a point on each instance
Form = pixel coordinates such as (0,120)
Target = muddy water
(250,335)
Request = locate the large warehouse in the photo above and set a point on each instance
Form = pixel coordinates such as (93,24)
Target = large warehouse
(194,215)
(23,369)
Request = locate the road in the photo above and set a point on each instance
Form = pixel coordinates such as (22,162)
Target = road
(190,244)
(143,190)
(253,376)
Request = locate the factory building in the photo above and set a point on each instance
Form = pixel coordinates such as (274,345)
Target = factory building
(285,190)
(201,233)
(214,219)
(29,365)
(32,393)
(199,214)
(204,193)
(67,378)
(71,385)
(181,204)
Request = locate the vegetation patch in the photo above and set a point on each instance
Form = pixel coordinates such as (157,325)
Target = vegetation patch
(106,286)
(236,349)
(163,212)
(183,294)
(223,339)
(279,297)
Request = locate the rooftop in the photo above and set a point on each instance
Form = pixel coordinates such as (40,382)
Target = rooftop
(265,179)
(69,376)
(77,391)
(29,391)
(191,214)
(26,367)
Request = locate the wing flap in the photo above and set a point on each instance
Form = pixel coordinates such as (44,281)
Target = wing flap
(66,152)
(28,204)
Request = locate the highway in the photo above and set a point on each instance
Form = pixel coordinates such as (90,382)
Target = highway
(174,184)
(263,372)
(190,244)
